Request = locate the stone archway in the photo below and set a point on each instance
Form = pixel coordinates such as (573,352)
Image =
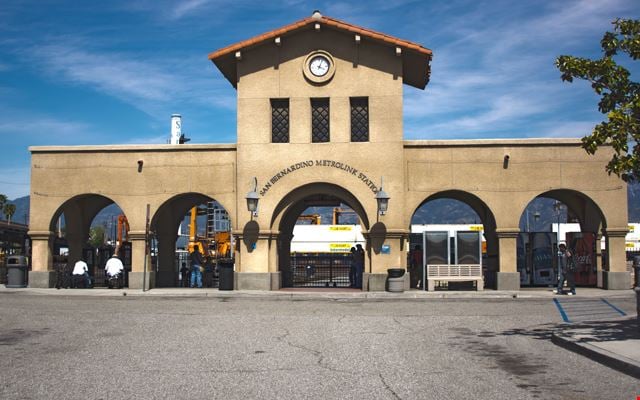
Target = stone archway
(488,221)
(77,215)
(164,226)
(294,203)
(564,206)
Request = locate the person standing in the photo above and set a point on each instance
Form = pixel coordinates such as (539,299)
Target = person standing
(196,267)
(184,275)
(352,268)
(415,272)
(566,270)
(359,264)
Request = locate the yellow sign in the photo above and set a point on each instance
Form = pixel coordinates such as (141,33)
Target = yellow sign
(630,245)
(632,228)
(340,246)
(476,228)
(340,228)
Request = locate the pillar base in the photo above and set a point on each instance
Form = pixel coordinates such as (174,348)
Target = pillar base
(374,282)
(616,280)
(257,281)
(508,281)
(166,279)
(42,279)
(136,280)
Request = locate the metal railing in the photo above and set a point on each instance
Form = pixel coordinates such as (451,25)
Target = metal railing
(324,270)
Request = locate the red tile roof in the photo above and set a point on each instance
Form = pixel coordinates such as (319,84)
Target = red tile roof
(416,70)
(328,21)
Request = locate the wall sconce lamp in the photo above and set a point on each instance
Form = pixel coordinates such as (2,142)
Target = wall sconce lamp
(505,161)
(382,198)
(252,199)
(140,163)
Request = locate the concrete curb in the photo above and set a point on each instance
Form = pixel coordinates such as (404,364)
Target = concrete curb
(412,295)
(597,354)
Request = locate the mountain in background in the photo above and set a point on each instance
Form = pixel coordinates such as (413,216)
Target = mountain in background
(441,211)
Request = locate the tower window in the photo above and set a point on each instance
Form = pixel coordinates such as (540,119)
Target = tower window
(280,120)
(319,120)
(359,119)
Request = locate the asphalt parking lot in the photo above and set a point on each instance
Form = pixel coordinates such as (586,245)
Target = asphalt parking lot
(88,347)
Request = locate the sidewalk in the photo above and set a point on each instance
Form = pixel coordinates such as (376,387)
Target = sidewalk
(321,294)
(614,343)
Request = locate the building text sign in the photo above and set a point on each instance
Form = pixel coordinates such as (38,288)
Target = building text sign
(319,164)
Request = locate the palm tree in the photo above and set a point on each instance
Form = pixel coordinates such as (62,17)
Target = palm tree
(9,210)
(3,201)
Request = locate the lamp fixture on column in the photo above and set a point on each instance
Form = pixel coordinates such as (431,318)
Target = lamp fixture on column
(382,198)
(252,199)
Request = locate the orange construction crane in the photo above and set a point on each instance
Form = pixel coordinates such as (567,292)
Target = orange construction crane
(123,232)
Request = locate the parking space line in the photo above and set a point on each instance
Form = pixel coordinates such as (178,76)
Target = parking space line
(614,307)
(562,313)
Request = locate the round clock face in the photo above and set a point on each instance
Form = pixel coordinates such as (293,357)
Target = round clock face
(319,65)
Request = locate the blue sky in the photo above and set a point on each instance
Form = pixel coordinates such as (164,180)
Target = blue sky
(91,73)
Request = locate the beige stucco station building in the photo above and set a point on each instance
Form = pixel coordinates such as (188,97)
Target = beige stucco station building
(319,114)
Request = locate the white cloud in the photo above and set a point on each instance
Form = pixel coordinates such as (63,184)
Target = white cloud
(495,73)
(185,7)
(116,74)
(42,126)
(152,85)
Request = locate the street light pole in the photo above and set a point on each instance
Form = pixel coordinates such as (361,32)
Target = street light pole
(557,206)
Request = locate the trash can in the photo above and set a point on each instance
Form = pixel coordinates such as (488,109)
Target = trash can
(225,270)
(16,272)
(395,280)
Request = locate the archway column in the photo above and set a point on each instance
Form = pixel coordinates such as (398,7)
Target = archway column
(138,253)
(386,250)
(42,274)
(254,252)
(614,274)
(167,274)
(507,277)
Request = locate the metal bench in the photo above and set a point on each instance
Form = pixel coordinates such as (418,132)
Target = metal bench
(454,272)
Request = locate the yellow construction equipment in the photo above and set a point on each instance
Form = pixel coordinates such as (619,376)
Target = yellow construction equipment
(337,212)
(217,245)
(315,219)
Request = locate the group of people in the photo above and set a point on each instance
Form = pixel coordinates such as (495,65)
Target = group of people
(357,267)
(113,268)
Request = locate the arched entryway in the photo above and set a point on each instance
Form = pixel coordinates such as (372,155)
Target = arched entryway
(325,268)
(180,223)
(555,217)
(450,219)
(85,228)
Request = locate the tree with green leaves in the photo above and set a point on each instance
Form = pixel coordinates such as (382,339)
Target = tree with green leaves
(9,210)
(96,236)
(619,97)
(3,201)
